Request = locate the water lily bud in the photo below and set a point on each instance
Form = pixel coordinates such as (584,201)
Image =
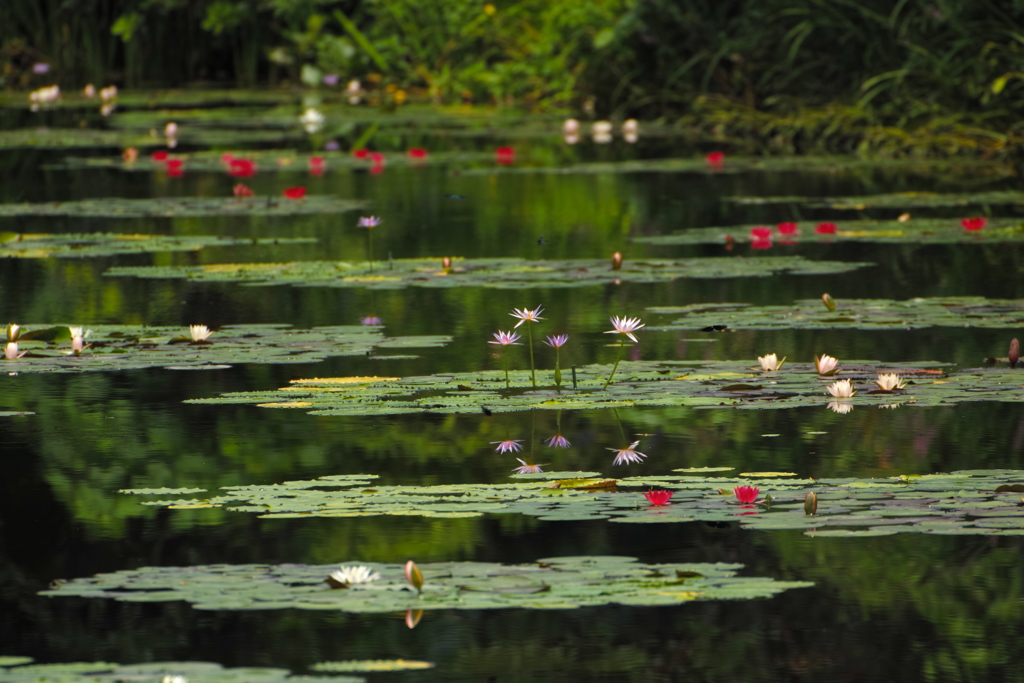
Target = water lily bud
(811,503)
(412,617)
(414,576)
(1014,352)
(617,260)
(829,302)
(13,332)
(446,262)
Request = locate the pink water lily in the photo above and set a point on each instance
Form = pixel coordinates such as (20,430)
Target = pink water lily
(527,468)
(626,326)
(658,497)
(508,446)
(557,441)
(746,494)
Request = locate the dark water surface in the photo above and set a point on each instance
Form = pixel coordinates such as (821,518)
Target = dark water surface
(905,607)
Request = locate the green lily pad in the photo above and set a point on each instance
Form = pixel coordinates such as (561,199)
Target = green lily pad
(863,314)
(917,231)
(557,583)
(507,273)
(184,206)
(897,200)
(153,672)
(14,245)
(964,502)
(131,347)
(373,665)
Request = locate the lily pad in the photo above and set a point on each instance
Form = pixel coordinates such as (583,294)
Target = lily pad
(862,314)
(555,583)
(132,347)
(965,502)
(372,665)
(917,231)
(19,670)
(185,206)
(896,200)
(501,273)
(15,245)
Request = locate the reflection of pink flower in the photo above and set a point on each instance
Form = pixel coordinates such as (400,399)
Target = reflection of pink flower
(628,454)
(974,223)
(369,222)
(746,494)
(658,498)
(505,155)
(557,441)
(761,244)
(241,190)
(527,468)
(715,158)
(316,165)
(370,320)
(295,192)
(509,445)
(825,228)
(761,233)
(175,167)
(787,228)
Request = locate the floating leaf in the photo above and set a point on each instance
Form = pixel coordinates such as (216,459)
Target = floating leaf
(372,665)
(897,200)
(110,244)
(181,206)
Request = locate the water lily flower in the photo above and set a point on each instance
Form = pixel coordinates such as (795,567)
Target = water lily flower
(241,168)
(89,91)
(761,232)
(171,130)
(787,228)
(527,468)
(312,120)
(526,315)
(625,326)
(601,128)
(294,192)
(241,190)
(841,389)
(505,338)
(199,333)
(658,497)
(770,363)
(361,153)
(175,167)
(889,382)
(617,261)
(130,155)
(354,91)
(746,494)
(370,320)
(368,222)
(630,127)
(826,365)
(715,158)
(903,217)
(628,454)
(353,574)
(844,407)
(11,351)
(508,446)
(825,228)
(417,153)
(159,156)
(557,441)
(974,223)
(109,93)
(78,340)
(570,127)
(316,165)
(505,155)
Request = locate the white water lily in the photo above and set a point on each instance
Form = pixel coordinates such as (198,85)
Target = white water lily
(11,351)
(841,407)
(174,679)
(889,381)
(349,575)
(78,339)
(199,333)
(312,120)
(842,389)
(771,362)
(826,365)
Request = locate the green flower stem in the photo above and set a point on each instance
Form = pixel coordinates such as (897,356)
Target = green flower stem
(558,371)
(614,367)
(369,247)
(533,372)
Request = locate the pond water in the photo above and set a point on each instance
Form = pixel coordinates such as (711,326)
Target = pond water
(901,607)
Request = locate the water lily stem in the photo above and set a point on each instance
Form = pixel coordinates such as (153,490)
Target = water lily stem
(506,368)
(533,371)
(615,367)
(369,247)
(558,371)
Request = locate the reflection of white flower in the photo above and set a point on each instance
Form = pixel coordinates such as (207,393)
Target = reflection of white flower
(770,363)
(312,120)
(628,454)
(527,468)
(826,365)
(889,382)
(890,406)
(601,127)
(841,389)
(174,679)
(570,127)
(841,407)
(199,332)
(353,574)
(630,127)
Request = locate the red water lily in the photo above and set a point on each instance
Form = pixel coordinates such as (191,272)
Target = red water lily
(974,223)
(241,190)
(761,233)
(746,494)
(378,163)
(360,153)
(241,168)
(159,155)
(825,228)
(787,228)
(505,155)
(295,192)
(226,158)
(316,165)
(761,244)
(658,498)
(175,167)
(417,153)
(715,158)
